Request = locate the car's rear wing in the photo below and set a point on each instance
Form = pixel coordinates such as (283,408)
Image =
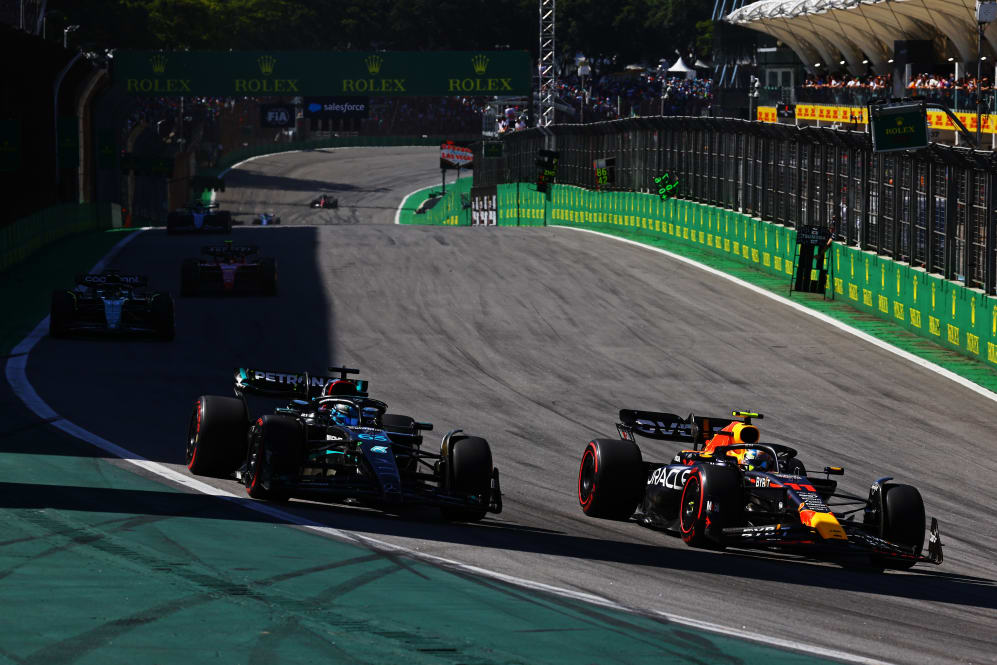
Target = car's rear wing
(692,429)
(219,250)
(103,278)
(303,385)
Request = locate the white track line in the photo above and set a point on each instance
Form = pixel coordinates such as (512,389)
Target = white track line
(16,373)
(824,318)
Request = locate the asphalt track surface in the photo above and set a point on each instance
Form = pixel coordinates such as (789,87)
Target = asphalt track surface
(534,338)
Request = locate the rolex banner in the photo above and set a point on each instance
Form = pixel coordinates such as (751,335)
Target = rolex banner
(323,73)
(484,206)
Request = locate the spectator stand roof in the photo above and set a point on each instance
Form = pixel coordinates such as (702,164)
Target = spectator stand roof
(828,31)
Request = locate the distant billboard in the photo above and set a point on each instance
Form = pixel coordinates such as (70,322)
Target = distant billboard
(336,107)
(276,115)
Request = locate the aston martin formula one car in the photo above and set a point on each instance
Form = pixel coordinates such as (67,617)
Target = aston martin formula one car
(199,218)
(111,302)
(332,442)
(325,201)
(229,268)
(728,489)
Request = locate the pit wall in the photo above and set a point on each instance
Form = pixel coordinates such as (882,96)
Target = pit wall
(946,312)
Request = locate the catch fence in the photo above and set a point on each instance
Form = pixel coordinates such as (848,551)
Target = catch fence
(933,208)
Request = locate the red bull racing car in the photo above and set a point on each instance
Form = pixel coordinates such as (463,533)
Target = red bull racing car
(729,489)
(229,268)
(331,441)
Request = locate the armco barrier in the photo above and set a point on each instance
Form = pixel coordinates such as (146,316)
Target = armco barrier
(29,234)
(956,317)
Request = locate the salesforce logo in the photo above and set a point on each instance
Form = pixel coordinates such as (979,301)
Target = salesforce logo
(313,107)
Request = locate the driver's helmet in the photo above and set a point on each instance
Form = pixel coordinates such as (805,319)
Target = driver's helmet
(756,459)
(344,413)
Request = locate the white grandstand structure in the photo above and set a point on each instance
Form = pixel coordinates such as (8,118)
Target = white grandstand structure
(828,31)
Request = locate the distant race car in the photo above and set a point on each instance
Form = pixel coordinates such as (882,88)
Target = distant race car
(730,490)
(332,442)
(229,268)
(326,201)
(199,217)
(112,302)
(267,219)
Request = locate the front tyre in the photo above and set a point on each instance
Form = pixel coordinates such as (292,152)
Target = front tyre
(470,469)
(163,317)
(611,479)
(275,450)
(216,436)
(711,500)
(901,523)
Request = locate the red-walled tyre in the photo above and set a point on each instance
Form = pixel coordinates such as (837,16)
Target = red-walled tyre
(611,479)
(716,485)
(275,452)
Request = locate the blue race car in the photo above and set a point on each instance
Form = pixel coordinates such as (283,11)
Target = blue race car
(199,218)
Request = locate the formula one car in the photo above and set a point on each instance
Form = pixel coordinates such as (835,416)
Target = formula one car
(326,201)
(112,302)
(267,219)
(199,217)
(229,268)
(332,442)
(727,489)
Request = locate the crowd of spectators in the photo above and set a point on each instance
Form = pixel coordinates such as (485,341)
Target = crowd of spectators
(403,116)
(871,82)
(653,92)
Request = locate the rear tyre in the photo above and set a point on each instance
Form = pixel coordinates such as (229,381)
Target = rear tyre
(275,451)
(470,469)
(901,523)
(719,485)
(188,277)
(611,479)
(216,436)
(162,313)
(268,276)
(61,313)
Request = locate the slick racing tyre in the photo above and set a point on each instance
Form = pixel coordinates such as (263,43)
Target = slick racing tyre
(223,219)
(268,276)
(163,316)
(716,487)
(611,479)
(216,436)
(61,313)
(189,277)
(275,449)
(901,523)
(470,469)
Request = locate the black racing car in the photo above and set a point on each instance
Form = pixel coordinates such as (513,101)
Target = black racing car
(332,442)
(199,218)
(325,201)
(112,302)
(728,489)
(229,268)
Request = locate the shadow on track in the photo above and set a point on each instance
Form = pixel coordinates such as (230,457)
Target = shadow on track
(425,524)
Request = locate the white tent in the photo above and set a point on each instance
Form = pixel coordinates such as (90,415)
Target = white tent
(682,69)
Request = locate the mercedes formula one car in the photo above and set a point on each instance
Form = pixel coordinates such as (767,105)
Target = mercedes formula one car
(332,442)
(326,201)
(112,302)
(199,218)
(229,268)
(728,489)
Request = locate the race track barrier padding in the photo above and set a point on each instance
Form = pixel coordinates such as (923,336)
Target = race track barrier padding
(29,234)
